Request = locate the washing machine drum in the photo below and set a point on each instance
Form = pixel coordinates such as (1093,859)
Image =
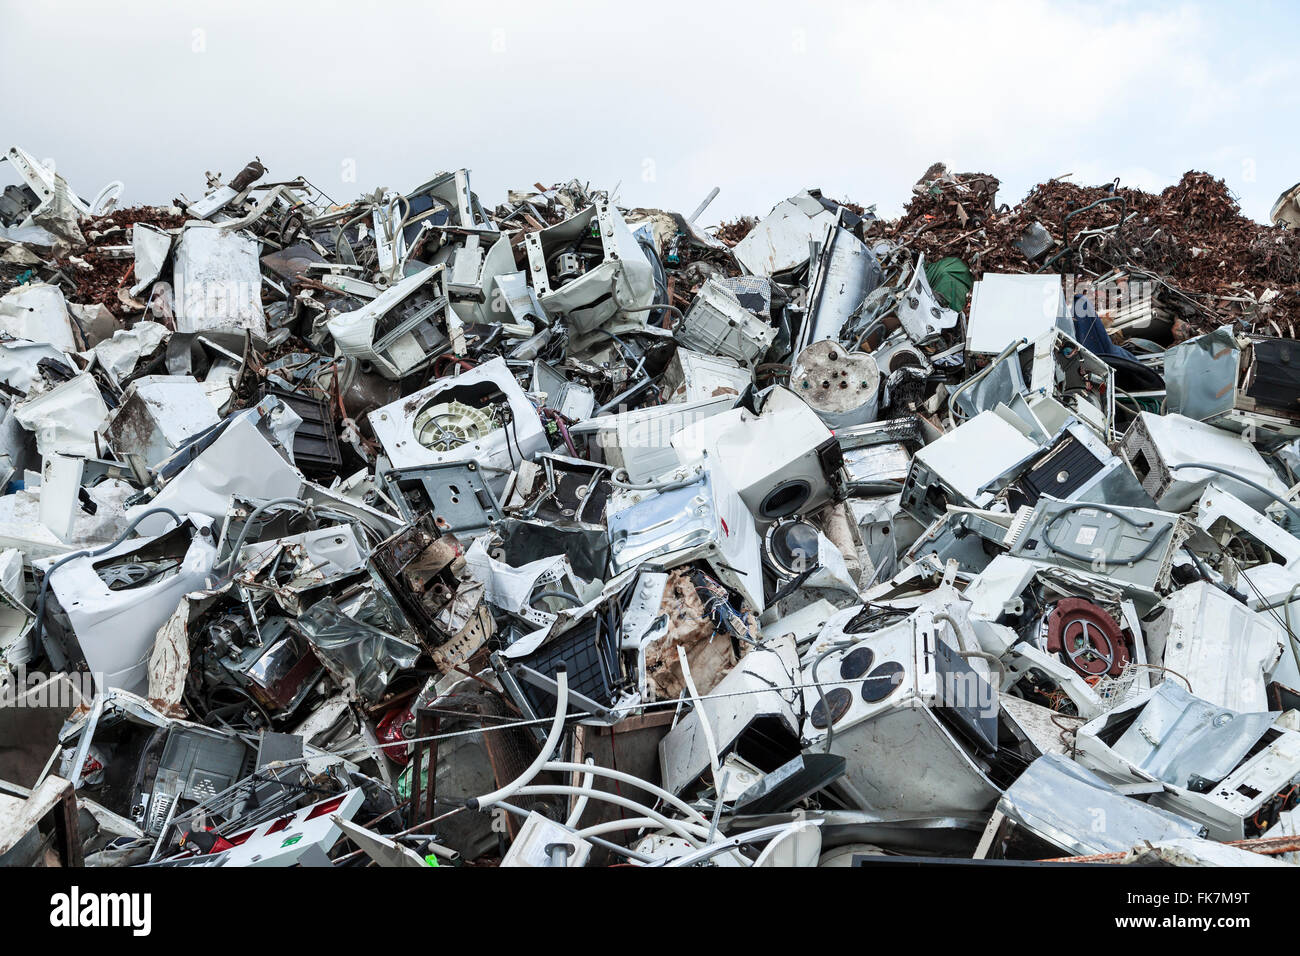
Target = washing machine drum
(445,426)
(785,499)
(790,547)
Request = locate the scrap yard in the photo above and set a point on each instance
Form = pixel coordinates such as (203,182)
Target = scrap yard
(443,526)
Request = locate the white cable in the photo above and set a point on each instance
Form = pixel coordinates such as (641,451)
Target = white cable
(548,748)
(613,826)
(735,842)
(588,779)
(714,762)
(677,826)
(633,781)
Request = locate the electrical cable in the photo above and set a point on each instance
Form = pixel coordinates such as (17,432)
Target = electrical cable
(548,748)
(38,622)
(1091,558)
(1295,512)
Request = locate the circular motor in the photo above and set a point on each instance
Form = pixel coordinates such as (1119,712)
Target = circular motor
(1088,637)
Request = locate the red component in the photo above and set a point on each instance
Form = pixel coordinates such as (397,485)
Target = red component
(391,730)
(205,841)
(1088,637)
(321,809)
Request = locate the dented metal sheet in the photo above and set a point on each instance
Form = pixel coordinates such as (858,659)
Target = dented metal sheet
(38,312)
(1220,646)
(66,419)
(217,282)
(158,414)
(117,601)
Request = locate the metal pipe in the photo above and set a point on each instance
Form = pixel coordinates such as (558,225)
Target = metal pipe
(1265,846)
(699,210)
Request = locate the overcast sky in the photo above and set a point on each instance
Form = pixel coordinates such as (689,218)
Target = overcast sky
(667,98)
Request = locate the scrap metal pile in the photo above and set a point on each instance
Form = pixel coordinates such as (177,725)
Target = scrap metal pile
(1208,263)
(411,531)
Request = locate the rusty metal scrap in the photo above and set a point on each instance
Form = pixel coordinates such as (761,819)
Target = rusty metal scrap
(1191,235)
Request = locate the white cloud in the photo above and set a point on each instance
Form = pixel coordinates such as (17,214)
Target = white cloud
(762,100)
